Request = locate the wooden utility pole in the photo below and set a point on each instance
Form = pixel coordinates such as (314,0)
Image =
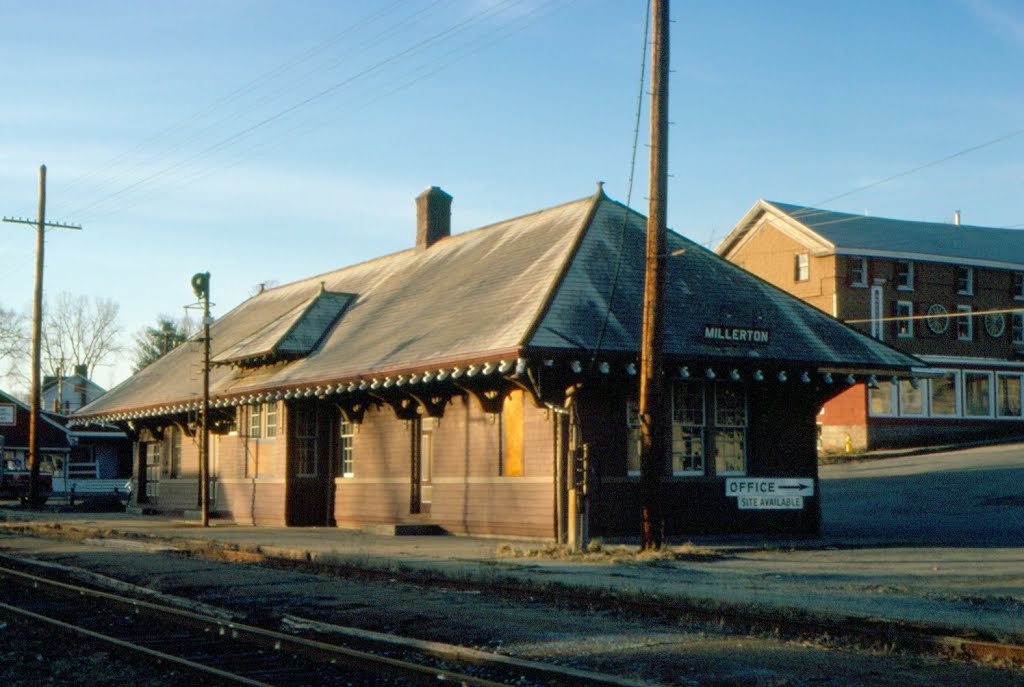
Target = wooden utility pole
(654,436)
(37,335)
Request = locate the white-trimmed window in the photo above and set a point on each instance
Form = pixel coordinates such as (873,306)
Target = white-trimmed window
(270,420)
(255,422)
(911,397)
(346,445)
(964,323)
(877,324)
(858,272)
(262,420)
(904,275)
(1008,395)
(965,280)
(1017,327)
(1018,286)
(904,319)
(803,267)
(943,394)
(688,428)
(730,429)
(977,394)
(882,399)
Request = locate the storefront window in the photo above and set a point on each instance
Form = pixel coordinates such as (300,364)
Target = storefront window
(1008,392)
(911,398)
(943,394)
(880,399)
(977,394)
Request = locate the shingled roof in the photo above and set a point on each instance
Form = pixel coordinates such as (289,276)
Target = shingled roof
(564,283)
(827,232)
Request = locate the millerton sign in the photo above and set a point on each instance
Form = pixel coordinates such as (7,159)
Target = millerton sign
(736,335)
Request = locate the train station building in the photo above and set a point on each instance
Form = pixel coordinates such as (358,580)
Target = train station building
(486,383)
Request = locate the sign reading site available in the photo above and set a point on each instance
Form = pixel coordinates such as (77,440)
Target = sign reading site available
(769,493)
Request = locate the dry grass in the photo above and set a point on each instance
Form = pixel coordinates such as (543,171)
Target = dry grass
(598,552)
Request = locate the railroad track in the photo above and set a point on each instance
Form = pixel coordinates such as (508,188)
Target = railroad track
(220,650)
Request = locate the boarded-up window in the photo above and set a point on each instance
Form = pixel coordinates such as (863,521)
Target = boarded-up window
(512,435)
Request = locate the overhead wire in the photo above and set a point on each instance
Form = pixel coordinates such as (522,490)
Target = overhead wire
(247,131)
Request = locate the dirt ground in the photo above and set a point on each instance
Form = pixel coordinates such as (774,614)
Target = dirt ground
(661,651)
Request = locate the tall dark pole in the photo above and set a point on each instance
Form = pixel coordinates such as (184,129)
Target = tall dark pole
(204,462)
(653,426)
(41,225)
(37,344)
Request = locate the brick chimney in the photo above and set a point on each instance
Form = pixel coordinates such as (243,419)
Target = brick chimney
(433,217)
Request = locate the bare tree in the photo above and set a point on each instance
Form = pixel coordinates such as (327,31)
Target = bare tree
(152,343)
(78,330)
(14,342)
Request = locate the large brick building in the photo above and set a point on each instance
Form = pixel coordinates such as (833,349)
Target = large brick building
(949,294)
(486,382)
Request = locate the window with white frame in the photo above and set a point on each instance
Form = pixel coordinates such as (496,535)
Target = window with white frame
(881,398)
(730,429)
(943,394)
(911,397)
(346,446)
(904,320)
(255,422)
(965,280)
(262,420)
(1017,327)
(803,266)
(858,272)
(688,428)
(269,420)
(904,275)
(964,323)
(1008,398)
(977,394)
(1018,286)
(877,323)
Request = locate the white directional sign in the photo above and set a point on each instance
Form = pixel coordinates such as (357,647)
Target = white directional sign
(769,493)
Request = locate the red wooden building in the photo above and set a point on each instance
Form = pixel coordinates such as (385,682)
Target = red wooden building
(477,382)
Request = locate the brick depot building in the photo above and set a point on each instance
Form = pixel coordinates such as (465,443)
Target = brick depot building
(461,382)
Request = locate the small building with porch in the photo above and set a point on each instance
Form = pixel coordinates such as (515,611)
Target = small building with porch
(486,383)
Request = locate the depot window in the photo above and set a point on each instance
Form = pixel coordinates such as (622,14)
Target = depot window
(858,272)
(803,267)
(709,422)
(346,448)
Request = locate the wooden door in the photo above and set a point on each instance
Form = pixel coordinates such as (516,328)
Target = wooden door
(309,478)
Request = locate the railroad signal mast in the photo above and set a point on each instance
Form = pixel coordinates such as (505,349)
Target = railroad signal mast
(201,288)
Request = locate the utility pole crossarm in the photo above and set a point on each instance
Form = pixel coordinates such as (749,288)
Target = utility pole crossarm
(47,225)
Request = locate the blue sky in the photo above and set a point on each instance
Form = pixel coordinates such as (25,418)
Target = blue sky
(270,141)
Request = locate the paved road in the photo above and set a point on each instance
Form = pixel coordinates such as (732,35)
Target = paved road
(968,498)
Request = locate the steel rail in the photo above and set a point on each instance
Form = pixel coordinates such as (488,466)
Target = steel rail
(278,643)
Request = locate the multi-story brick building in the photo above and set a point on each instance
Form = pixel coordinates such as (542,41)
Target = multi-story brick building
(950,294)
